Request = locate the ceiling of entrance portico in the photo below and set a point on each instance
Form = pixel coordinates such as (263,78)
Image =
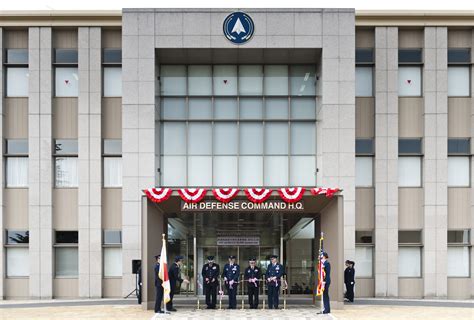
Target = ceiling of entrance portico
(237,56)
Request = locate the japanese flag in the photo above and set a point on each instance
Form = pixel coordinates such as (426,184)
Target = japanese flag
(163,274)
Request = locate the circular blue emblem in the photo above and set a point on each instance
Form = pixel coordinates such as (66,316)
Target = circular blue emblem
(238,27)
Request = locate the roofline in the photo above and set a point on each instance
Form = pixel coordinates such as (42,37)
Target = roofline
(114,17)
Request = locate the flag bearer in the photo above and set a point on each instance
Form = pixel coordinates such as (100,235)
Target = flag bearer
(158,286)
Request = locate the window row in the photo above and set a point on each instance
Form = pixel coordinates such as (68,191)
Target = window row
(238,171)
(65,254)
(410,81)
(245,108)
(65,163)
(244,138)
(410,171)
(410,254)
(233,80)
(66,82)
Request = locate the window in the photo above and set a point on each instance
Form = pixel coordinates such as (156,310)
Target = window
(112,66)
(17,253)
(409,253)
(364,81)
(364,162)
(246,125)
(364,171)
(409,81)
(364,254)
(458,171)
(459,60)
(66,73)
(409,146)
(458,253)
(16,163)
(66,254)
(66,169)
(409,55)
(112,251)
(17,73)
(112,163)
(409,262)
(364,72)
(459,146)
(409,171)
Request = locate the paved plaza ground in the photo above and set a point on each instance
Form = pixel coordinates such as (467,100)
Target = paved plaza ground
(124,310)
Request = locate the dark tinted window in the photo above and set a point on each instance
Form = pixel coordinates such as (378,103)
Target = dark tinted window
(409,236)
(459,146)
(112,56)
(64,146)
(17,237)
(112,237)
(112,146)
(409,146)
(409,55)
(17,56)
(458,236)
(65,56)
(459,55)
(67,237)
(17,146)
(364,146)
(365,237)
(365,55)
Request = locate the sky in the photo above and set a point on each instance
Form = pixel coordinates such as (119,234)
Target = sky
(119,4)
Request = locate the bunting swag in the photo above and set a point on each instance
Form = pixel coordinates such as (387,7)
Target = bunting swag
(291,195)
(329,192)
(192,195)
(158,194)
(258,195)
(225,194)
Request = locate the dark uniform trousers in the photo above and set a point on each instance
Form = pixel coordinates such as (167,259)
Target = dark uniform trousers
(232,272)
(158,290)
(327,308)
(175,279)
(277,271)
(211,273)
(252,288)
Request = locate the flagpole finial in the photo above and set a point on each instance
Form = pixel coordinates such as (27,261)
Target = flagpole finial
(163,235)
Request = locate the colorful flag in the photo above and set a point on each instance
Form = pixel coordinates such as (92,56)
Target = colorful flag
(321,272)
(163,273)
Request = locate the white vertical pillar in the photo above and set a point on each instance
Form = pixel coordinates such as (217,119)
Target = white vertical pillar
(386,161)
(2,248)
(435,160)
(90,173)
(472,168)
(40,173)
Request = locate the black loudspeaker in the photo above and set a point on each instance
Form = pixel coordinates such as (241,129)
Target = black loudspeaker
(136,265)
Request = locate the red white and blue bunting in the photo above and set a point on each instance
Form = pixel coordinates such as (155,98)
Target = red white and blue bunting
(256,195)
(225,194)
(192,195)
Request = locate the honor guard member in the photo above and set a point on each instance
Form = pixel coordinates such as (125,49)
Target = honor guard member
(349,275)
(210,276)
(174,274)
(252,276)
(326,282)
(158,286)
(231,279)
(273,276)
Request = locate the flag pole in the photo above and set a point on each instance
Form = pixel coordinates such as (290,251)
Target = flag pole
(320,254)
(163,243)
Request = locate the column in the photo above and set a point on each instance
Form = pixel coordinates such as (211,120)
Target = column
(435,160)
(386,161)
(138,130)
(40,167)
(90,165)
(2,248)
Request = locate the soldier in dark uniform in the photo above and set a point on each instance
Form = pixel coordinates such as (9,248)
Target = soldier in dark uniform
(349,275)
(174,274)
(210,276)
(274,273)
(158,286)
(326,282)
(231,279)
(252,276)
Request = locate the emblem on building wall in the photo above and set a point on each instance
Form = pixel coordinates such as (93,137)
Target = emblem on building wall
(238,27)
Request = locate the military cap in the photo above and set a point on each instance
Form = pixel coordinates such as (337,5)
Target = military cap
(232,257)
(157,256)
(210,258)
(252,259)
(178,258)
(273,256)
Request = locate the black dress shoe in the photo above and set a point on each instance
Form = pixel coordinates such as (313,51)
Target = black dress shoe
(173,309)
